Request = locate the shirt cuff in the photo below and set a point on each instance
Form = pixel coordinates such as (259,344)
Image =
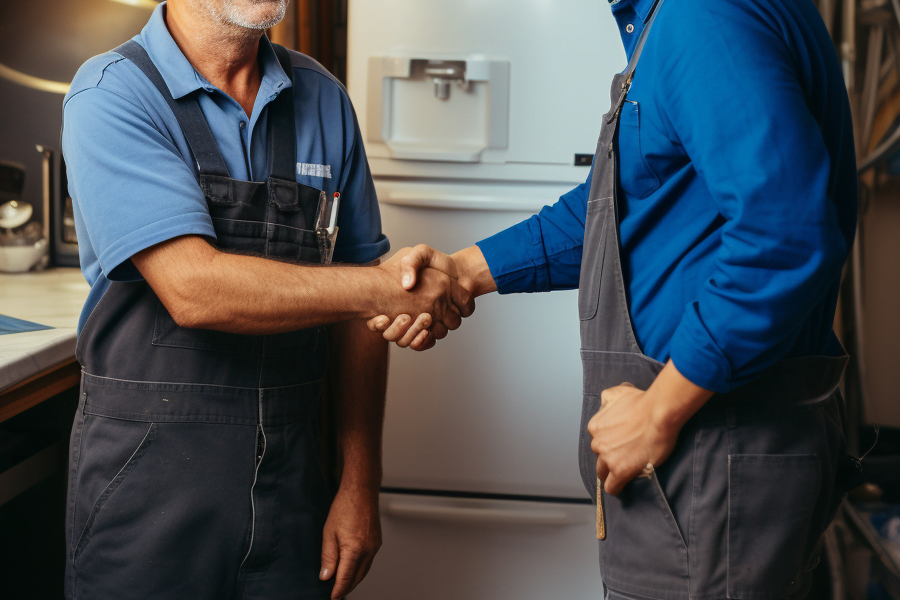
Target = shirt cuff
(697,356)
(516,259)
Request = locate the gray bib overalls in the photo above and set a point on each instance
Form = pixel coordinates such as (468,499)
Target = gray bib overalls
(737,509)
(195,454)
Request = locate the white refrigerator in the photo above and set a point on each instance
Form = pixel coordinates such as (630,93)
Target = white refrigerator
(476,114)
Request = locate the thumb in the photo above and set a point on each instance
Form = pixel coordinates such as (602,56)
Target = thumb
(424,256)
(463,301)
(613,485)
(330,555)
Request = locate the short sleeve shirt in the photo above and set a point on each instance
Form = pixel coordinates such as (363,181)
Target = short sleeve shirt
(133,181)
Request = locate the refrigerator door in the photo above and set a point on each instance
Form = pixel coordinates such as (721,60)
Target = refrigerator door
(439,548)
(491,89)
(494,407)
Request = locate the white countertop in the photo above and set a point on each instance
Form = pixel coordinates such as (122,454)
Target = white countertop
(53,297)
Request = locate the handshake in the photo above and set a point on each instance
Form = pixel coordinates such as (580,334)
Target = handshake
(439,290)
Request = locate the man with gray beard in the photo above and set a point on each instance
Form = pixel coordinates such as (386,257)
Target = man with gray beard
(211,172)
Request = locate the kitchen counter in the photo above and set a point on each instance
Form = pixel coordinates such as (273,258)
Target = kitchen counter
(38,364)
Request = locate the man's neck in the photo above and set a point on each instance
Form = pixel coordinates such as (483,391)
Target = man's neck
(226,55)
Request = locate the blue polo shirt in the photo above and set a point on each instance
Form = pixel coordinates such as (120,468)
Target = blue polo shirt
(737,190)
(131,176)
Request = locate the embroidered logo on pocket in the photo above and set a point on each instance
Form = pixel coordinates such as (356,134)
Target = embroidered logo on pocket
(311,170)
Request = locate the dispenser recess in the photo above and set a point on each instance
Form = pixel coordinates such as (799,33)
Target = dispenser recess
(439,108)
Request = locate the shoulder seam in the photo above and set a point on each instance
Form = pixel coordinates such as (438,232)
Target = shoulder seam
(99,81)
(114,93)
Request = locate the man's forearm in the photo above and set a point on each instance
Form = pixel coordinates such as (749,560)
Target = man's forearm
(474,273)
(203,287)
(358,384)
(676,399)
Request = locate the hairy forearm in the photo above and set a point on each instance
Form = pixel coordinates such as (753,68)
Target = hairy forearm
(358,384)
(203,287)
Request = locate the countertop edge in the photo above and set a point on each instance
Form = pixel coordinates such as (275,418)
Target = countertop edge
(20,367)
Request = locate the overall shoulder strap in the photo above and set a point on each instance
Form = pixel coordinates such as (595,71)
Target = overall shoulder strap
(281,127)
(187,111)
(636,55)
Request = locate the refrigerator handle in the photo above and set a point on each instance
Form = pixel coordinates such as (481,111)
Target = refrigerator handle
(439,199)
(484,511)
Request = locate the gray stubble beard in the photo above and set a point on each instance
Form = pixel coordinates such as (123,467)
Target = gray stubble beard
(226,11)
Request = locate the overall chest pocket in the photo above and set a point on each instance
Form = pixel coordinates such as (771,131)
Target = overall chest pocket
(635,175)
(594,250)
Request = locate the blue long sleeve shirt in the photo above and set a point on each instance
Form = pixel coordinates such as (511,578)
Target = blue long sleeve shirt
(737,192)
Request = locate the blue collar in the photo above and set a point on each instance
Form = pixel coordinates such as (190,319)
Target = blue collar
(642,7)
(180,76)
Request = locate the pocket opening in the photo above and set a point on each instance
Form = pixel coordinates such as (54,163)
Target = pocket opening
(644,551)
(664,501)
(111,487)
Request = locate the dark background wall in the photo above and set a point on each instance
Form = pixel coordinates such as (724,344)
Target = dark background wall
(50,39)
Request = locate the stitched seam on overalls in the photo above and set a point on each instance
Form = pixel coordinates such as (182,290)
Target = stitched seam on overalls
(728,431)
(695,491)
(634,588)
(111,487)
(76,447)
(136,384)
(259,223)
(122,415)
(192,387)
(617,271)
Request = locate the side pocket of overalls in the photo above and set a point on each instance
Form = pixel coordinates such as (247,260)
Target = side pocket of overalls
(772,499)
(644,550)
(112,449)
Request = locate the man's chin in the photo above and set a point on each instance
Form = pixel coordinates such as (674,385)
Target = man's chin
(258,15)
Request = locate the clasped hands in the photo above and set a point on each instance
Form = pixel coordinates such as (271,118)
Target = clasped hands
(436,296)
(633,429)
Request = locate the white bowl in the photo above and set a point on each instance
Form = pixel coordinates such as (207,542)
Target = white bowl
(19,259)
